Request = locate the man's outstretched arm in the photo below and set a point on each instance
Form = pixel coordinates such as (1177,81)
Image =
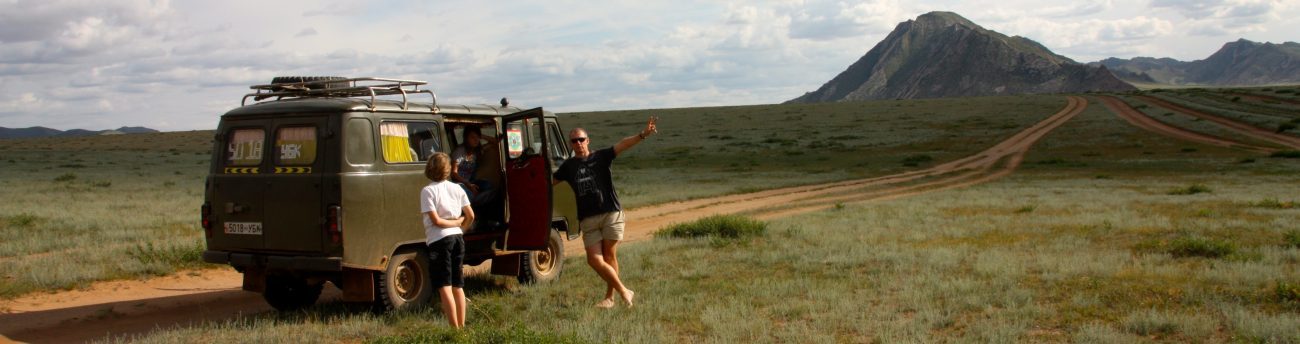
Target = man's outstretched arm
(628,142)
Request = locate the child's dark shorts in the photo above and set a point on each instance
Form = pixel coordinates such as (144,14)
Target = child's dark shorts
(446,259)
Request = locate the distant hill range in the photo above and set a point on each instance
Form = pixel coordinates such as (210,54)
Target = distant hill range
(18,133)
(942,54)
(1240,63)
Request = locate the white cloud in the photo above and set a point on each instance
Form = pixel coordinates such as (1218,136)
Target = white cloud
(107,64)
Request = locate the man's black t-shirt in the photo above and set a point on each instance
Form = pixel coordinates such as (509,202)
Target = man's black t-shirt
(592,182)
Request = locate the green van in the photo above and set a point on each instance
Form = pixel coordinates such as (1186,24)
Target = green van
(318,181)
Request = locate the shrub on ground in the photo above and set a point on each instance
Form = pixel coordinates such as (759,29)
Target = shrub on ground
(1200,247)
(718,226)
(1290,154)
(1292,238)
(1191,190)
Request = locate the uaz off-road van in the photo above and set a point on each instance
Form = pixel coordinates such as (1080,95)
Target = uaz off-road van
(318,180)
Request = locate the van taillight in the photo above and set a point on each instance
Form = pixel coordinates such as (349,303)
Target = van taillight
(334,223)
(207,219)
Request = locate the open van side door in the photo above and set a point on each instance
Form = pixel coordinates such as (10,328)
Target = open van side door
(528,181)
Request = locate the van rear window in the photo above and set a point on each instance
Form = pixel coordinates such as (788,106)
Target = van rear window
(296,146)
(244,147)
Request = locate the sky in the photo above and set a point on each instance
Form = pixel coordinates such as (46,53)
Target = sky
(178,65)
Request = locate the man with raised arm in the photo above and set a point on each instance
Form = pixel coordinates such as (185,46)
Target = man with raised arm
(591,176)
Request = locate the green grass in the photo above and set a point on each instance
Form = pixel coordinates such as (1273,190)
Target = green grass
(962,265)
(1052,253)
(79,210)
(105,197)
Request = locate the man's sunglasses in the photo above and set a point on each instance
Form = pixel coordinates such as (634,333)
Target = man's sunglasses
(578,140)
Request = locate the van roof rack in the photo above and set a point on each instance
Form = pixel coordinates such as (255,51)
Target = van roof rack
(340,87)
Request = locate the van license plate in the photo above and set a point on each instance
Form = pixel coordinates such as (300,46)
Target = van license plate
(252,228)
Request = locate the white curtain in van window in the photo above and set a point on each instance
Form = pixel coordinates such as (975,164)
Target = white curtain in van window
(396,142)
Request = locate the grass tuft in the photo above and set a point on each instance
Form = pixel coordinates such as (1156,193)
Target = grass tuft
(1191,190)
(916,160)
(1273,203)
(1287,293)
(65,177)
(717,226)
(1150,323)
(1292,238)
(1201,247)
(178,255)
(23,220)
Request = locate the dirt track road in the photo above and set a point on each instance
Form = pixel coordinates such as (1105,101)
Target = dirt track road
(128,307)
(1246,129)
(1141,120)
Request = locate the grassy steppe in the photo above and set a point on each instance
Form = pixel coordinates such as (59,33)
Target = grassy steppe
(1106,234)
(78,210)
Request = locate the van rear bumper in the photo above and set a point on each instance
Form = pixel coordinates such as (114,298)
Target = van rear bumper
(277,262)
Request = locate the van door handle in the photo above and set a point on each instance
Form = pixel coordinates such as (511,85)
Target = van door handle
(232,208)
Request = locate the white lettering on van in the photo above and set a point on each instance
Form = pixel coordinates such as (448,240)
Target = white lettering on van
(290,151)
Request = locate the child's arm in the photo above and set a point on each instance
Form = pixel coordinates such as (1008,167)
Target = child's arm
(444,223)
(468,213)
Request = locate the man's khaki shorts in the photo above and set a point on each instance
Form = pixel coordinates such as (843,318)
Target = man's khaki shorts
(607,226)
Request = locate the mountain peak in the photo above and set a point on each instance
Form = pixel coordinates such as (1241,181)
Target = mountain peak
(1237,63)
(941,54)
(945,19)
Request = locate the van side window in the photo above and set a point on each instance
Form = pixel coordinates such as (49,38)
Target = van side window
(295,146)
(244,147)
(407,142)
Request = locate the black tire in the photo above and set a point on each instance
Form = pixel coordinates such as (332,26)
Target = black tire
(405,283)
(296,79)
(288,293)
(544,265)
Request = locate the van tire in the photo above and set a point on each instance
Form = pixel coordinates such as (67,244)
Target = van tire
(295,79)
(288,293)
(406,283)
(544,265)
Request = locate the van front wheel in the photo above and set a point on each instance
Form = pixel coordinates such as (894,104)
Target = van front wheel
(543,265)
(405,283)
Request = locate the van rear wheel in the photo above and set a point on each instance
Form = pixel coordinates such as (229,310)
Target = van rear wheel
(288,293)
(543,265)
(405,283)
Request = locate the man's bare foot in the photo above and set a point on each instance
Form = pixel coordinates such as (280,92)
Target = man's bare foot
(606,303)
(627,297)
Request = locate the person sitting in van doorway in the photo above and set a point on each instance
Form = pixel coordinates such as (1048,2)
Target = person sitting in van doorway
(465,162)
(446,210)
(591,176)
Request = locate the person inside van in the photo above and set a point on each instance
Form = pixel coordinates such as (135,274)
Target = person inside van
(446,211)
(465,162)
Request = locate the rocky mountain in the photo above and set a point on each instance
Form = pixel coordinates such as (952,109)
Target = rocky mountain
(19,133)
(1240,63)
(942,54)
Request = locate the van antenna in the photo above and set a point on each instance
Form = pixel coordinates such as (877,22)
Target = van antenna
(504,102)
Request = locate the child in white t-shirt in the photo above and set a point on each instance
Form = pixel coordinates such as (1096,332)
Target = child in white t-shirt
(445,209)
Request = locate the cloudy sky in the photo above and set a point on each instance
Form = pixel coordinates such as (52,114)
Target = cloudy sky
(178,65)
